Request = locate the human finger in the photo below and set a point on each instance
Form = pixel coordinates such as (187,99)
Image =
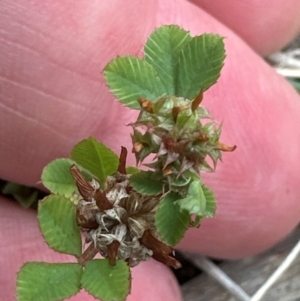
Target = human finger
(257,106)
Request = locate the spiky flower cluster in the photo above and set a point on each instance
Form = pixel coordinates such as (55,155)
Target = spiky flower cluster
(119,222)
(173,129)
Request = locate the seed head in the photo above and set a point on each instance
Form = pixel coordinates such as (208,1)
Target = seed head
(119,222)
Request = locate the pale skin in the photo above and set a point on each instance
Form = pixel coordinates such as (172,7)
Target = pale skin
(53,95)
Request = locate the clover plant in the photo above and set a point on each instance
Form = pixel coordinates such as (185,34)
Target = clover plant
(126,214)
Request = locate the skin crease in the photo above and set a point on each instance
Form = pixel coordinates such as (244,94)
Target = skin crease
(53,95)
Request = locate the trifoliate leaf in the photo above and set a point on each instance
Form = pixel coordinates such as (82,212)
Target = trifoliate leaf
(200,64)
(147,182)
(26,196)
(109,283)
(57,217)
(58,179)
(162,51)
(96,158)
(129,78)
(171,222)
(40,281)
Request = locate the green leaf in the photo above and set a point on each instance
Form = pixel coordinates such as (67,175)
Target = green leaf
(96,158)
(147,182)
(194,202)
(40,281)
(129,78)
(109,283)
(200,65)
(26,196)
(210,208)
(171,222)
(130,170)
(199,201)
(162,51)
(58,179)
(57,217)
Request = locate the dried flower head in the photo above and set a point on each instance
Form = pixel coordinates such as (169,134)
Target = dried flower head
(119,222)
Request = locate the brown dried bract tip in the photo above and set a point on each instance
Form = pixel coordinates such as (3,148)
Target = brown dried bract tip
(161,251)
(112,252)
(202,137)
(87,255)
(101,200)
(122,161)
(225,148)
(146,104)
(88,192)
(167,171)
(175,112)
(196,102)
(84,187)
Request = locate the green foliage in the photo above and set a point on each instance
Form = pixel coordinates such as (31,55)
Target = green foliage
(130,78)
(109,283)
(130,170)
(163,50)
(26,196)
(147,183)
(175,64)
(199,200)
(57,217)
(96,158)
(175,69)
(200,65)
(40,281)
(57,178)
(171,222)
(210,208)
